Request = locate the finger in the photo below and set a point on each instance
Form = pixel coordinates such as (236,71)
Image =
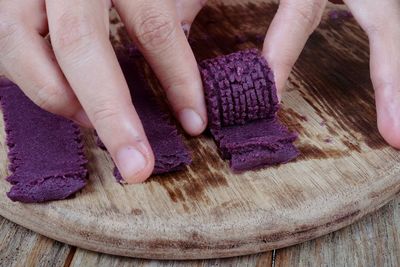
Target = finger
(381,20)
(187,11)
(156,30)
(288,33)
(79,34)
(27,59)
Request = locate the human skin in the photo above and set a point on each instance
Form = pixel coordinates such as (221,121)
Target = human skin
(78,75)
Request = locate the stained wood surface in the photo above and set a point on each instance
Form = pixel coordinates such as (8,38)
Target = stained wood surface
(373,241)
(345,172)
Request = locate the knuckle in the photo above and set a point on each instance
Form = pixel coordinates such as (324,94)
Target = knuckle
(176,84)
(8,29)
(155,30)
(104,113)
(308,12)
(71,32)
(52,98)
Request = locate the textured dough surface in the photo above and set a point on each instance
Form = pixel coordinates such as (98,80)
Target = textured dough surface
(45,150)
(242,105)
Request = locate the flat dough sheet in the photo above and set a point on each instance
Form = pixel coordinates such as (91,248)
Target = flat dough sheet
(46,155)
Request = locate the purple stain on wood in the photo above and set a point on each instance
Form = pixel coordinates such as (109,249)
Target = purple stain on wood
(338,14)
(118,176)
(99,143)
(167,144)
(134,51)
(240,39)
(242,105)
(260,38)
(45,150)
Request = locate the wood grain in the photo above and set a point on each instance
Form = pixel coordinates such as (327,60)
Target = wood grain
(88,258)
(345,172)
(373,241)
(22,247)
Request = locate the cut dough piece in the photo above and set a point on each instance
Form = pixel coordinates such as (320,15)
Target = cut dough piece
(45,150)
(242,104)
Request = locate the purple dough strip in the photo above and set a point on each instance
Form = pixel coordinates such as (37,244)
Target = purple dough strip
(253,138)
(258,134)
(167,144)
(45,150)
(259,158)
(169,151)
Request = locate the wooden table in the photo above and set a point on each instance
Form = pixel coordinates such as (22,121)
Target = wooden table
(373,241)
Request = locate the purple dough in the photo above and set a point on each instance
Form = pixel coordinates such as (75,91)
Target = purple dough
(242,105)
(265,134)
(259,158)
(239,88)
(169,151)
(257,144)
(339,15)
(118,176)
(45,150)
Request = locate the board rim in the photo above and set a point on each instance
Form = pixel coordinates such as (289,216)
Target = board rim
(356,208)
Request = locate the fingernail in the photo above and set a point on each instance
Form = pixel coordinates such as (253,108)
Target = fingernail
(130,162)
(191,121)
(81,118)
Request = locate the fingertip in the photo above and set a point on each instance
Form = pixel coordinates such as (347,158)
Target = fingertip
(389,124)
(384,74)
(388,107)
(135,163)
(192,122)
(390,134)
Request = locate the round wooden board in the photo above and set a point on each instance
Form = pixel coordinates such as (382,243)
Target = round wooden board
(346,170)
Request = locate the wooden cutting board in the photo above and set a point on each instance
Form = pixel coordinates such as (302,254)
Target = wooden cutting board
(345,171)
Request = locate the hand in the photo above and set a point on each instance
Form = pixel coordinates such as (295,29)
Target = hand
(79,77)
(296,20)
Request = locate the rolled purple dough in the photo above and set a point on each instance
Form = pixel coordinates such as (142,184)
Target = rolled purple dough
(167,144)
(45,150)
(242,104)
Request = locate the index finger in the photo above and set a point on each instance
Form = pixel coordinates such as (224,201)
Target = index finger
(155,27)
(79,35)
(288,33)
